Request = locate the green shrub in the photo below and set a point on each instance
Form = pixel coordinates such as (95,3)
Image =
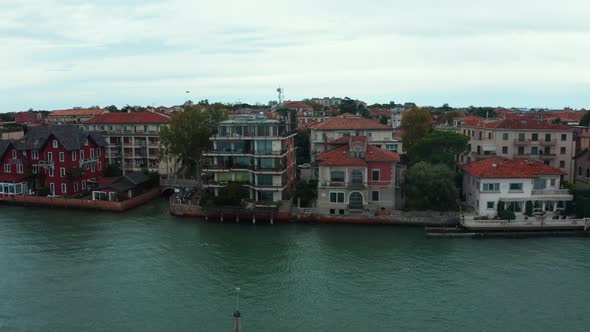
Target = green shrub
(507,215)
(528,208)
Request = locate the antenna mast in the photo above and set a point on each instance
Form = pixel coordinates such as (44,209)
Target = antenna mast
(281,92)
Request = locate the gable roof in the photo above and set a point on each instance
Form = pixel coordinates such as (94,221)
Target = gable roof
(350,122)
(71,137)
(5,146)
(296,104)
(127,182)
(133,117)
(78,112)
(504,168)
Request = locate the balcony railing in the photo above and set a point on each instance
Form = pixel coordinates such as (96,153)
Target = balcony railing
(245,167)
(342,184)
(244,152)
(541,192)
(548,142)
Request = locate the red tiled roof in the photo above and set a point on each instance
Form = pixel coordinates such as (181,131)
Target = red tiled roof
(518,123)
(509,168)
(350,122)
(78,112)
(296,104)
(133,117)
(341,156)
(24,117)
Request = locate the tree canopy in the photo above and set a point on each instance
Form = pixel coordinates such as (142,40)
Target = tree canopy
(430,187)
(302,144)
(439,146)
(585,121)
(416,123)
(187,136)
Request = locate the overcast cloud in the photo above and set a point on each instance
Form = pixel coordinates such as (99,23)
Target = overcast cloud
(64,53)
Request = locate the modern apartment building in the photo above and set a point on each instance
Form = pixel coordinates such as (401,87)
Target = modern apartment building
(521,138)
(255,151)
(356,177)
(514,182)
(74,115)
(133,140)
(331,133)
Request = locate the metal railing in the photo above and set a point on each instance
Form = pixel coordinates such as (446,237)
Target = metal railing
(550,192)
(531,222)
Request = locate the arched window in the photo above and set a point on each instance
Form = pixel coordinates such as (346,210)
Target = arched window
(355,200)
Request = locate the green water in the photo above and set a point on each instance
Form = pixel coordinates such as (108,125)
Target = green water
(146,271)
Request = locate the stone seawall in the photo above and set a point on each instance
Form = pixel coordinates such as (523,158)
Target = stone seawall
(76,203)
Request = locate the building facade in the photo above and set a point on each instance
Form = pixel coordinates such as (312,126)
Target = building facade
(75,115)
(63,159)
(356,177)
(521,138)
(331,133)
(255,151)
(582,162)
(133,140)
(514,182)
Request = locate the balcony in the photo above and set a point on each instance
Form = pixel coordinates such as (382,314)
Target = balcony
(342,184)
(522,141)
(551,192)
(552,142)
(212,153)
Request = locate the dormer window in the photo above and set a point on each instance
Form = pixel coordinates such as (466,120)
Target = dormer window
(55,144)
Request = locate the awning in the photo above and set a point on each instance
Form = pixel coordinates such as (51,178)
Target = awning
(488,148)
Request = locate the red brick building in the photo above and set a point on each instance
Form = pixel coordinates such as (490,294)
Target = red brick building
(63,159)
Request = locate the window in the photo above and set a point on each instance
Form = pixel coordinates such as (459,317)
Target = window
(55,144)
(337,176)
(81,154)
(50,156)
(535,137)
(375,196)
(562,150)
(564,137)
(62,172)
(356,176)
(263,180)
(7,168)
(490,205)
(491,187)
(64,188)
(76,187)
(73,155)
(552,182)
(91,153)
(391,147)
(62,157)
(86,142)
(547,162)
(332,211)
(99,166)
(516,187)
(50,171)
(336,197)
(521,137)
(562,164)
(52,188)
(539,184)
(534,150)
(93,169)
(19,168)
(13,154)
(489,135)
(83,184)
(547,137)
(375,175)
(341,211)
(521,150)
(35,155)
(504,150)
(505,136)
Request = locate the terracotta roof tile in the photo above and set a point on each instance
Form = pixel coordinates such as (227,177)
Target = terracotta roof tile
(519,123)
(499,168)
(350,122)
(341,156)
(133,117)
(78,112)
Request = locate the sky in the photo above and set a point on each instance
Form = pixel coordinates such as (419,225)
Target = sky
(59,54)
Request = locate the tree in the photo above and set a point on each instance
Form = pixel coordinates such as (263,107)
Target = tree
(302,145)
(585,121)
(430,187)
(112,109)
(187,136)
(528,208)
(439,146)
(306,192)
(556,121)
(416,123)
(383,120)
(449,116)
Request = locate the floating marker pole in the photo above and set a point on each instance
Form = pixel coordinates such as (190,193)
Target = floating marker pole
(237,315)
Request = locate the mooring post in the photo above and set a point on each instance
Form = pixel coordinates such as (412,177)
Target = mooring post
(222,217)
(271,219)
(254,219)
(237,219)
